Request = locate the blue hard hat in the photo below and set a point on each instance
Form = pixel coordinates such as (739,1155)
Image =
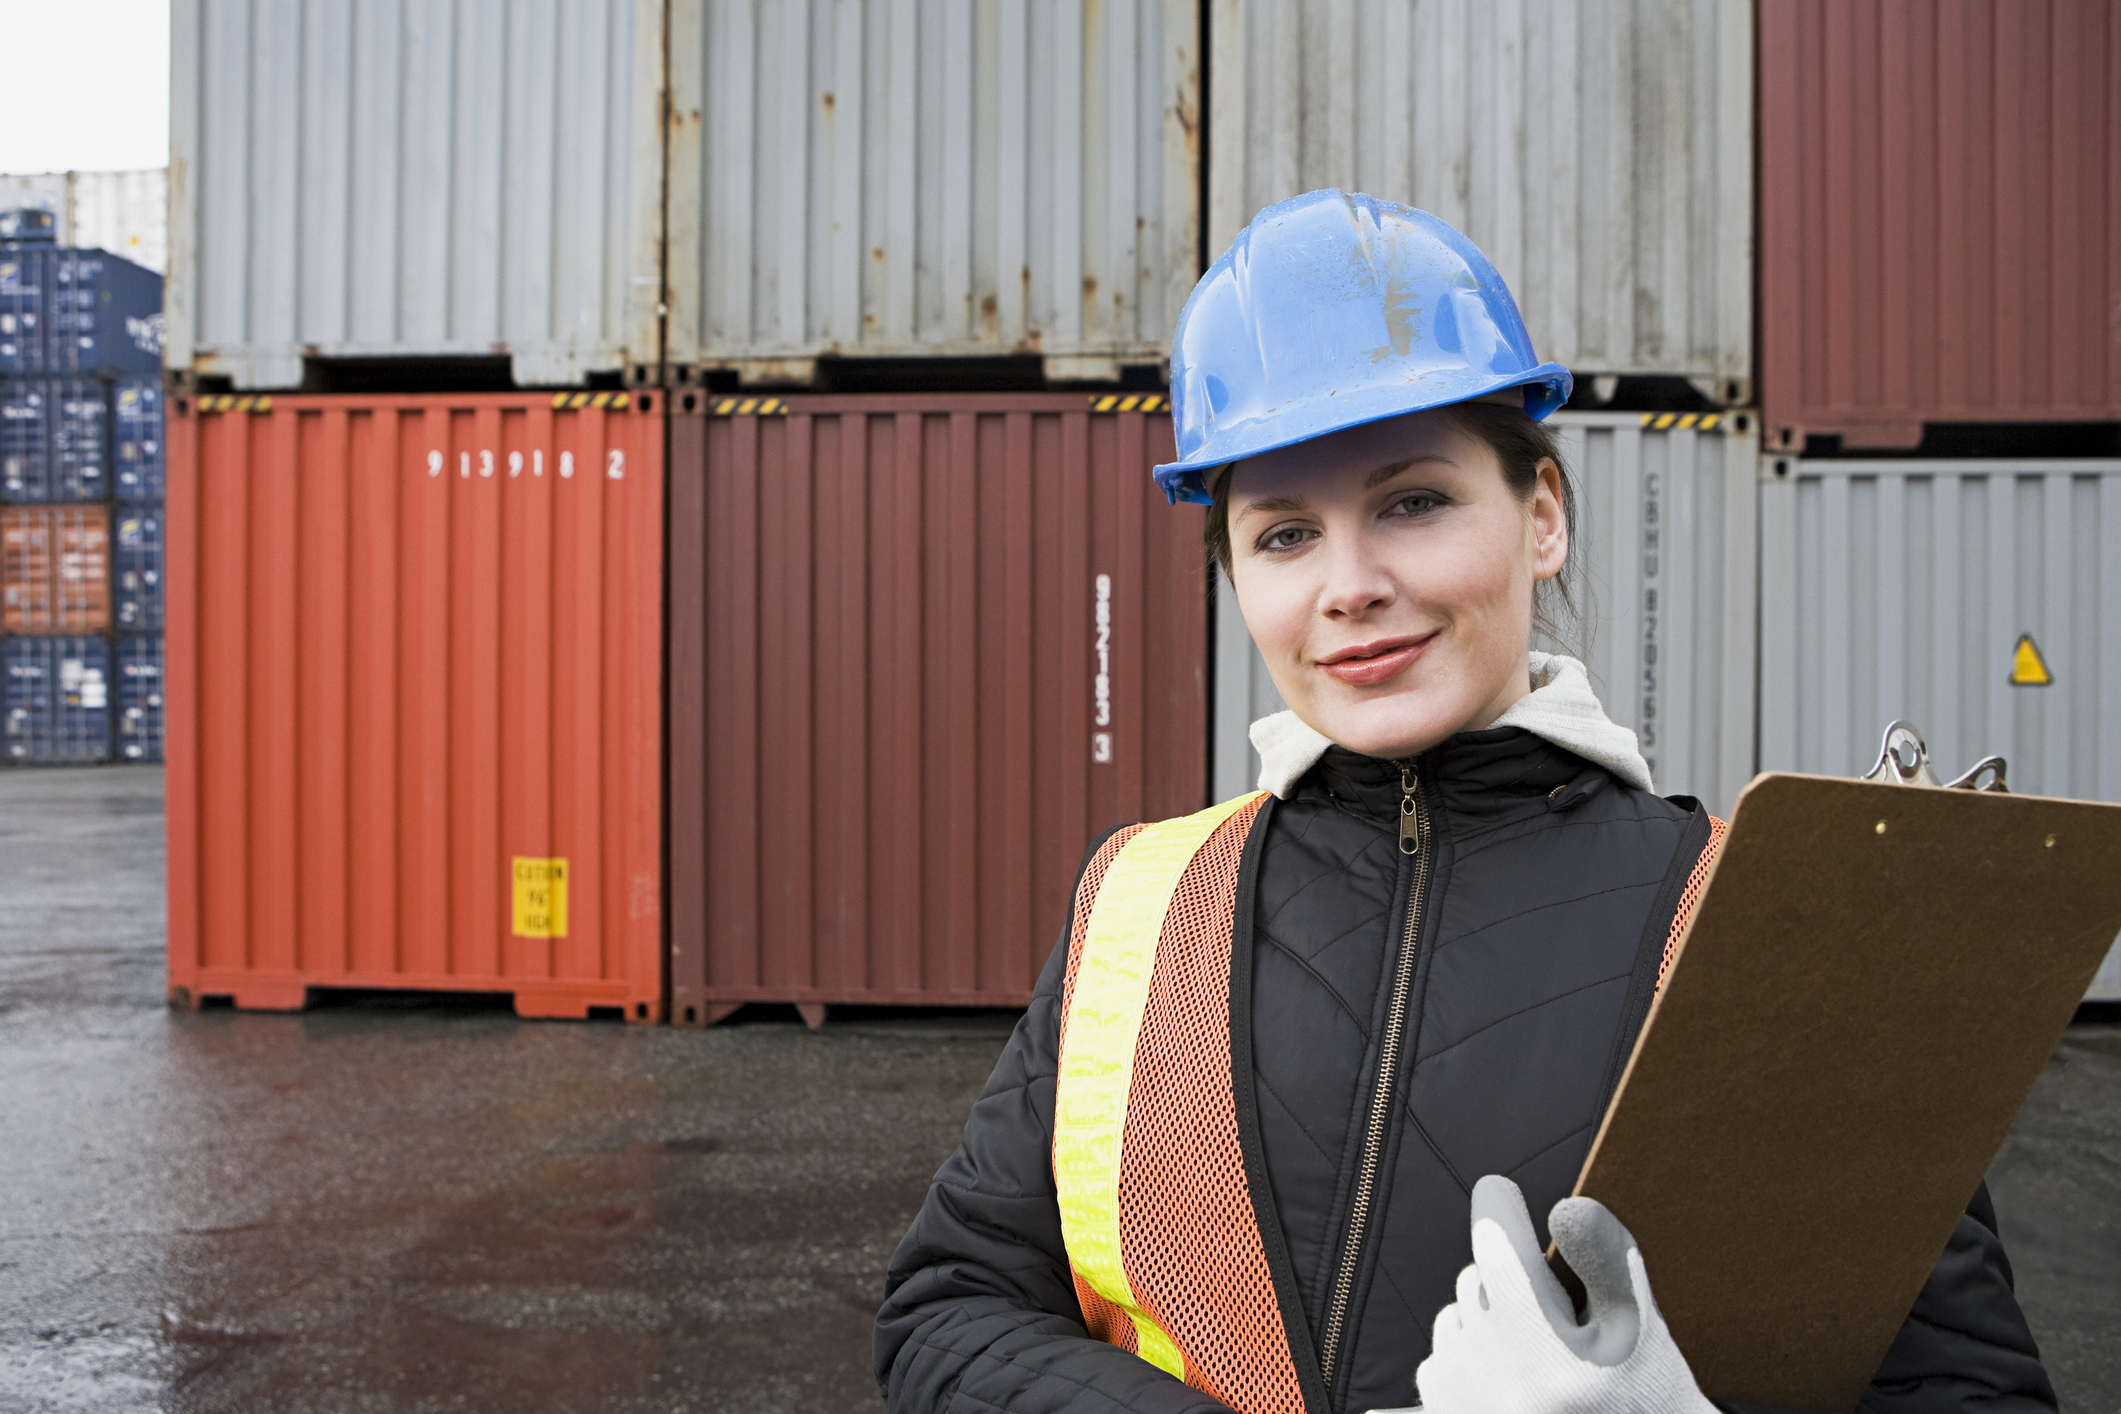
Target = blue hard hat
(1331,310)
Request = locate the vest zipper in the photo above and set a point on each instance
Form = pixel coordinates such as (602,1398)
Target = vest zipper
(1413,841)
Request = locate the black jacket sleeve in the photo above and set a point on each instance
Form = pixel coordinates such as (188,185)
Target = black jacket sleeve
(979,1308)
(1965,1345)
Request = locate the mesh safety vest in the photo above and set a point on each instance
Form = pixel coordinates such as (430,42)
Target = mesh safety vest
(1162,1231)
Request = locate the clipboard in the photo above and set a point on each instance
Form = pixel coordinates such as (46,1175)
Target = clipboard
(1872,982)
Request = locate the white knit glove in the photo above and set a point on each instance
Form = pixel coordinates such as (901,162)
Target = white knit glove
(1511,1343)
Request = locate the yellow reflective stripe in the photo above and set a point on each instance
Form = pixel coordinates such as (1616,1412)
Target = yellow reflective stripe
(1097,1064)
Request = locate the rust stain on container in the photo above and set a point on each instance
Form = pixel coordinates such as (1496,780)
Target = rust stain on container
(413,674)
(889,741)
(1939,194)
(55,569)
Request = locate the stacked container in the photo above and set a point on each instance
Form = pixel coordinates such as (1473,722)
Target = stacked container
(1940,199)
(80,348)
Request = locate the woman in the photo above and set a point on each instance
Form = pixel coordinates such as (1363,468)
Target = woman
(1226,1159)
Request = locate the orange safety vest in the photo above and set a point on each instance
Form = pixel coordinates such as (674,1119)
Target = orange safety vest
(1161,1227)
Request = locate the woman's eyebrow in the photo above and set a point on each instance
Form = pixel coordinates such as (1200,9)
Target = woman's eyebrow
(1385,473)
(1271,505)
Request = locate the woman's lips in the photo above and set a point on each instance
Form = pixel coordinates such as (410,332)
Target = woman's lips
(1367,664)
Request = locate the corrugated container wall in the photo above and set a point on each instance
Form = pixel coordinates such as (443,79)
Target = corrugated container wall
(931,177)
(1665,601)
(1599,151)
(124,212)
(1903,588)
(1979,600)
(442,178)
(923,652)
(413,698)
(1940,193)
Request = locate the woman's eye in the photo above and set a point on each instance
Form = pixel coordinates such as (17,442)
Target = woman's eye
(1415,503)
(1286,538)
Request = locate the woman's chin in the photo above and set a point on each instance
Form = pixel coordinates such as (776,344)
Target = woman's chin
(1393,729)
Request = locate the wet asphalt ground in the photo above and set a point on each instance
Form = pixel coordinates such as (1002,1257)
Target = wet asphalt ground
(379,1207)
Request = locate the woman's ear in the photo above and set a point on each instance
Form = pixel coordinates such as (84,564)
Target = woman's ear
(1550,522)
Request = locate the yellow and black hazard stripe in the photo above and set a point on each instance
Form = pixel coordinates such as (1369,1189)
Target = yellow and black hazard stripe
(228,402)
(749,407)
(562,401)
(1682,421)
(1129,402)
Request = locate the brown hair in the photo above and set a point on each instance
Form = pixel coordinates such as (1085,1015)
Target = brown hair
(1520,444)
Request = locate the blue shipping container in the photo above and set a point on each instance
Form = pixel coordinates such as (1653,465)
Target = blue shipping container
(29,223)
(54,440)
(92,312)
(140,698)
(21,311)
(137,591)
(55,700)
(138,438)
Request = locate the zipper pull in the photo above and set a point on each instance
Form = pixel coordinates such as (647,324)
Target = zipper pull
(1409,809)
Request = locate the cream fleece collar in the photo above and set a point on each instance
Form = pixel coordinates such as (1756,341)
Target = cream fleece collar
(1560,708)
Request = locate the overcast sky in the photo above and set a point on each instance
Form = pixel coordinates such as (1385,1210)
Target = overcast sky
(87,85)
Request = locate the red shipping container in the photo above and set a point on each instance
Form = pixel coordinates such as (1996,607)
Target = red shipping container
(924,650)
(413,721)
(55,569)
(1940,215)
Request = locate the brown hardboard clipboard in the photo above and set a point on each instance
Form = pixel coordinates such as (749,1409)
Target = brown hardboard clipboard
(1870,986)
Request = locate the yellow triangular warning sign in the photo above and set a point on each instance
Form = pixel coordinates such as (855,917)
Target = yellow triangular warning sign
(2028,668)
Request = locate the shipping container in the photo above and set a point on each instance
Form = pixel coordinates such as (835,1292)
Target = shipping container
(123,212)
(1939,190)
(1666,605)
(443,179)
(923,179)
(28,224)
(55,569)
(55,699)
(137,440)
(67,312)
(137,572)
(1975,599)
(139,724)
(1600,152)
(414,657)
(54,440)
(923,652)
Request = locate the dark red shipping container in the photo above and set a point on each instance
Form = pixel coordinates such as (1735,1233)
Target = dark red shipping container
(1940,215)
(923,651)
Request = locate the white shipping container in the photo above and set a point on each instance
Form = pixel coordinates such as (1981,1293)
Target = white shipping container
(1666,595)
(126,213)
(431,178)
(1599,151)
(925,177)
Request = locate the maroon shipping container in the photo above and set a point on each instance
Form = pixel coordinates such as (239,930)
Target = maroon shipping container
(924,650)
(1940,215)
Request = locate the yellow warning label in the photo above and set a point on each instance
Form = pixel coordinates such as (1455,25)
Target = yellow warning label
(2028,668)
(540,898)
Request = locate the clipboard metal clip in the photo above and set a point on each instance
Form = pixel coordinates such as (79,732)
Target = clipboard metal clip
(1904,760)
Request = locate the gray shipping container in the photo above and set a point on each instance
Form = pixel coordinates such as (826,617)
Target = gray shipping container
(1667,601)
(439,177)
(1599,151)
(1904,588)
(925,177)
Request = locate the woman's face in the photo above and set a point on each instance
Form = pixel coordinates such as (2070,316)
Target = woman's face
(1386,572)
